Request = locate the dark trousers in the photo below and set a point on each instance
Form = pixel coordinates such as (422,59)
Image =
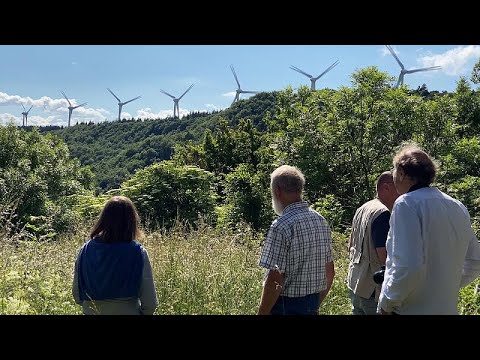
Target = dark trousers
(304,305)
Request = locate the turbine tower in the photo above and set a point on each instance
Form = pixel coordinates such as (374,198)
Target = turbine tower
(71,108)
(403,72)
(176,108)
(239,90)
(25,115)
(314,79)
(120,103)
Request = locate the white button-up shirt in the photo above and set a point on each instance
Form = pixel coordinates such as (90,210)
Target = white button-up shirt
(431,253)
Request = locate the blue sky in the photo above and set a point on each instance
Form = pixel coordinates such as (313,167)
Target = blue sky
(35,75)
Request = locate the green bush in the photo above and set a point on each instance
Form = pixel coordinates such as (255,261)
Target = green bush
(247,199)
(331,210)
(164,193)
(37,176)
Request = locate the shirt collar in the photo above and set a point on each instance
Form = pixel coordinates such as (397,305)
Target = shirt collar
(295,206)
(416,187)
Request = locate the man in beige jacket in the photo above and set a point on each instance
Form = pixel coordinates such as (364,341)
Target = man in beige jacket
(367,246)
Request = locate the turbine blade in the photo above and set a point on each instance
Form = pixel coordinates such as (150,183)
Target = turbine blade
(250,92)
(395,56)
(116,97)
(24,108)
(235,74)
(29,109)
(79,105)
(300,71)
(126,102)
(328,69)
(65,96)
(173,97)
(424,69)
(186,91)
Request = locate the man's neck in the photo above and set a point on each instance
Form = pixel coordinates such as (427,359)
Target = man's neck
(291,201)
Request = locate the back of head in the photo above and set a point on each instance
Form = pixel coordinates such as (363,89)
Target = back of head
(118,221)
(416,164)
(384,178)
(288,178)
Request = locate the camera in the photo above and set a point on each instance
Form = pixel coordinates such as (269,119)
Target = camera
(379,275)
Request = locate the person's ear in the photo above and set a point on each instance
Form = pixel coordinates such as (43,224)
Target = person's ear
(277,191)
(400,174)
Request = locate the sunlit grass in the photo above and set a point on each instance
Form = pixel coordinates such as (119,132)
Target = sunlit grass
(202,271)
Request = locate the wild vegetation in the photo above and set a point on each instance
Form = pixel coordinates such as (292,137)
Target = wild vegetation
(201,185)
(115,150)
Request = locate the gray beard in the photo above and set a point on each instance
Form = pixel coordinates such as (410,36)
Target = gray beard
(277,206)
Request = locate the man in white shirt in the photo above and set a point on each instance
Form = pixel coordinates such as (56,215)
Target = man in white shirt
(432,250)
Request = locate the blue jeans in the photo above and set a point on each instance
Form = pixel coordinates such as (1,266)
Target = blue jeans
(304,305)
(362,306)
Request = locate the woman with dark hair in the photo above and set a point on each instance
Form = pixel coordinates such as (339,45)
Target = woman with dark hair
(113,275)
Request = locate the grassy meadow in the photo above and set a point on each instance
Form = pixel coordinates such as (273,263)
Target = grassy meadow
(197,271)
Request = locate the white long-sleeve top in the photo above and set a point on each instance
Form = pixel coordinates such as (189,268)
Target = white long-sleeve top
(432,252)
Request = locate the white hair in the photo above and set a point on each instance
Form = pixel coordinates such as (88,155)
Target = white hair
(288,178)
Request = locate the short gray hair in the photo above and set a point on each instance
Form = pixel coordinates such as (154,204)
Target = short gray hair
(384,177)
(288,178)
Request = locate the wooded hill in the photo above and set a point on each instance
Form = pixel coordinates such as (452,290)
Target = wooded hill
(114,150)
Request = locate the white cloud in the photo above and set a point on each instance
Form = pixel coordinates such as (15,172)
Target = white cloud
(44,101)
(45,121)
(58,108)
(147,113)
(7,118)
(212,107)
(125,115)
(103,111)
(419,49)
(384,51)
(48,111)
(455,61)
(230,94)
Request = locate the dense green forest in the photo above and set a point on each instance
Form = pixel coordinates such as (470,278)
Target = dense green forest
(211,171)
(217,165)
(115,150)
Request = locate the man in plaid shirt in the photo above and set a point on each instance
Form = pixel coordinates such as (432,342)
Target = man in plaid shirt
(297,252)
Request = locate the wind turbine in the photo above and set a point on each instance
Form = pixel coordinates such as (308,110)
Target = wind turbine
(71,108)
(176,108)
(403,72)
(314,79)
(25,115)
(120,103)
(239,90)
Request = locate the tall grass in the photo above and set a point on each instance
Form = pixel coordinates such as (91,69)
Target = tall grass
(196,271)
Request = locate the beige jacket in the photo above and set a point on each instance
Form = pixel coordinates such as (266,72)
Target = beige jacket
(364,261)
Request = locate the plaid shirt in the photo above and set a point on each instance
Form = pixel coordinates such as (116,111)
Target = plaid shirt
(300,243)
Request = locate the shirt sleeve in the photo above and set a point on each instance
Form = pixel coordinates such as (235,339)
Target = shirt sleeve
(148,295)
(405,259)
(380,227)
(275,249)
(471,266)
